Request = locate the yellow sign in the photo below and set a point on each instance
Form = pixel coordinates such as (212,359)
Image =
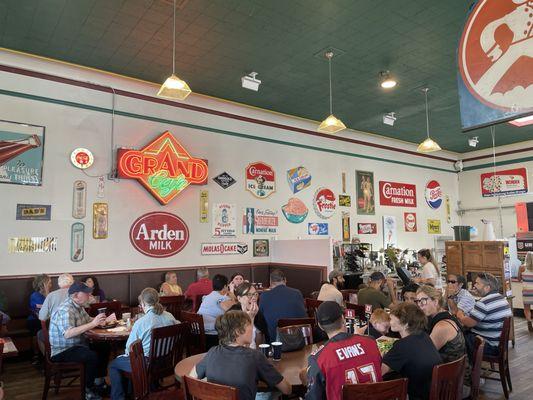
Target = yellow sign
(448,211)
(434,226)
(204,206)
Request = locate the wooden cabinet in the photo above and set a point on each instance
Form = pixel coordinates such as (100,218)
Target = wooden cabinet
(454,258)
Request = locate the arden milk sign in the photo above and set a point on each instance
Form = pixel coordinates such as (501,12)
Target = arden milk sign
(397,194)
(159,234)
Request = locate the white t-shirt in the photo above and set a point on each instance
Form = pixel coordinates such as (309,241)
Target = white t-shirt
(429,271)
(329,292)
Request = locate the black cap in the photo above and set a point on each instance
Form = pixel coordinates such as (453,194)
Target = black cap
(377,276)
(79,287)
(328,312)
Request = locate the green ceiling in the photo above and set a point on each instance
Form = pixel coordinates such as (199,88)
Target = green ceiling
(218,41)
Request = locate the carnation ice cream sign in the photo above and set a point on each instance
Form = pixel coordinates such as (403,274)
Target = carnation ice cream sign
(159,234)
(504,183)
(260,180)
(397,194)
(324,203)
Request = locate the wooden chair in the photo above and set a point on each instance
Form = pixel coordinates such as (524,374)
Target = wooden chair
(196,341)
(359,310)
(59,370)
(312,305)
(314,295)
(447,380)
(502,359)
(196,389)
(139,377)
(166,350)
(479,344)
(389,390)
(110,306)
(196,302)
(346,294)
(173,304)
(306,329)
(1,357)
(283,322)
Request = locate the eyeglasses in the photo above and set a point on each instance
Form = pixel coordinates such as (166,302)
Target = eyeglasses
(452,281)
(252,295)
(421,302)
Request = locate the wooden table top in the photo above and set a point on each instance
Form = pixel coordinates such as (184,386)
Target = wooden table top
(289,366)
(10,350)
(120,333)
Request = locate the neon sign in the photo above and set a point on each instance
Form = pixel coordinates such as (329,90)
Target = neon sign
(163,167)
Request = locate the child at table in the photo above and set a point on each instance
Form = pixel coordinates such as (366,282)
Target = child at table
(234,363)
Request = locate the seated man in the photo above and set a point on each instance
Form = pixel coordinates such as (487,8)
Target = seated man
(458,297)
(214,304)
(201,287)
(331,291)
(67,326)
(233,363)
(374,295)
(155,316)
(280,302)
(55,298)
(409,292)
(344,358)
(486,318)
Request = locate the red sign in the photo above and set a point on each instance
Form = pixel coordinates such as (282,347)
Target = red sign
(163,167)
(504,183)
(324,203)
(260,180)
(159,234)
(409,221)
(397,194)
(367,229)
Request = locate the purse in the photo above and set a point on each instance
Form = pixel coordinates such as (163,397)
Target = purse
(291,340)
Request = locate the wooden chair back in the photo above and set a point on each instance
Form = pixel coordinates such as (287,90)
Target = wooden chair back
(503,346)
(479,344)
(139,372)
(110,306)
(196,340)
(196,302)
(312,305)
(447,380)
(1,356)
(46,341)
(173,304)
(283,322)
(196,389)
(166,350)
(389,390)
(359,310)
(346,294)
(306,329)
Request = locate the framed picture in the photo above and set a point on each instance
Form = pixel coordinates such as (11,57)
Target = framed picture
(364,189)
(21,153)
(261,248)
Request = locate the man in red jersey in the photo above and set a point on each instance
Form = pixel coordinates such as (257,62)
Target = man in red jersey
(343,359)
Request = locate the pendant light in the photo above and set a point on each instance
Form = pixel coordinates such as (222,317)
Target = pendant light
(331,124)
(428,145)
(174,88)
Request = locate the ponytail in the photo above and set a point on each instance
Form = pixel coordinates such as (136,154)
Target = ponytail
(150,297)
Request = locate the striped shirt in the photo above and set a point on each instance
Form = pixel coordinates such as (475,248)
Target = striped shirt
(464,300)
(489,313)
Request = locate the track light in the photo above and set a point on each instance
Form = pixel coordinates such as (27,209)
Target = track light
(250,81)
(389,119)
(472,142)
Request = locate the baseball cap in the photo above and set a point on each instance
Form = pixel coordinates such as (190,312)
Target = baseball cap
(334,274)
(328,312)
(79,287)
(377,276)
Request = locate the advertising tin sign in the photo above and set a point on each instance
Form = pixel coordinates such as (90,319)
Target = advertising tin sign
(409,220)
(260,221)
(159,234)
(317,228)
(223,249)
(299,178)
(397,194)
(367,228)
(224,180)
(295,210)
(433,194)
(504,183)
(260,180)
(324,203)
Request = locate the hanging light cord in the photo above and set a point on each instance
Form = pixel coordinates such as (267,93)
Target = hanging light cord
(493,135)
(427,112)
(174,39)
(330,56)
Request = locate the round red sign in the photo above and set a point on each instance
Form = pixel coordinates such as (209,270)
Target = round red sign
(159,234)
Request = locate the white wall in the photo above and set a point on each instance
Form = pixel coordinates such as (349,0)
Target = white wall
(69,127)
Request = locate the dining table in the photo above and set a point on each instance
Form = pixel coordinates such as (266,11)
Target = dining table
(289,366)
(119,333)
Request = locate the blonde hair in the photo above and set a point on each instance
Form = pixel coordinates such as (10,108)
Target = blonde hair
(432,293)
(529,261)
(169,274)
(379,316)
(40,282)
(150,298)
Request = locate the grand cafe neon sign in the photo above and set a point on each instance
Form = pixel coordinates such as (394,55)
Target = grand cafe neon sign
(163,167)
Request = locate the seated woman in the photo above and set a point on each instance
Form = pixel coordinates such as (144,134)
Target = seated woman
(170,287)
(414,355)
(97,294)
(444,329)
(233,363)
(154,317)
(235,280)
(247,298)
(41,287)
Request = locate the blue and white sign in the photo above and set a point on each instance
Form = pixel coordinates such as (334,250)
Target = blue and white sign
(317,228)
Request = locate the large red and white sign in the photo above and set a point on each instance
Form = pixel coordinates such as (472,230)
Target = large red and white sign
(159,234)
(324,203)
(260,179)
(163,167)
(504,183)
(397,194)
(409,221)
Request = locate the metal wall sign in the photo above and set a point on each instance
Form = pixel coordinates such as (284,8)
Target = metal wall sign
(79,200)
(508,182)
(204,206)
(261,248)
(260,221)
(409,221)
(77,242)
(41,244)
(35,212)
(346,226)
(224,220)
(100,187)
(223,249)
(224,180)
(100,220)
(260,179)
(82,158)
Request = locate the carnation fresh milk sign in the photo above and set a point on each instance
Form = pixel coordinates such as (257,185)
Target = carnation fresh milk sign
(397,194)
